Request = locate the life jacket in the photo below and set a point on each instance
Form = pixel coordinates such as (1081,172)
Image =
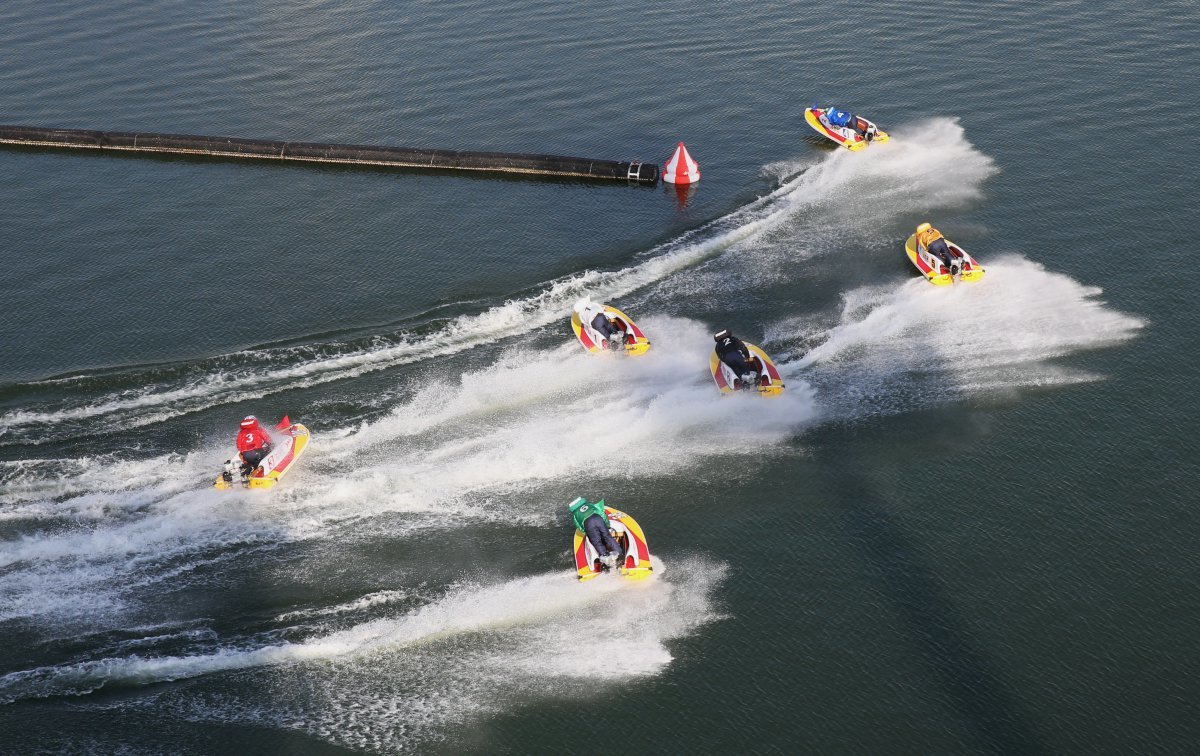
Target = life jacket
(252,437)
(837,117)
(925,238)
(582,509)
(730,345)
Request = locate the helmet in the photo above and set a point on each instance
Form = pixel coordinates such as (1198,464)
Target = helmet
(249,421)
(923,228)
(722,334)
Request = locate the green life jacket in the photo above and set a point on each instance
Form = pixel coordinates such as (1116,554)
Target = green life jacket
(581,509)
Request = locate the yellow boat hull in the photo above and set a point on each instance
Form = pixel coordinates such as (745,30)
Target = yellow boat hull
(637,563)
(722,375)
(933,270)
(854,143)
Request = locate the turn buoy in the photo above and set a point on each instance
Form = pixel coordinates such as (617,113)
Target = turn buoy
(681,169)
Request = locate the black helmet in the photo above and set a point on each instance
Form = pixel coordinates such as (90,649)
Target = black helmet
(722,335)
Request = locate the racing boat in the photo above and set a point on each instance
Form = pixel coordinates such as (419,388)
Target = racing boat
(844,135)
(286,450)
(635,341)
(634,562)
(963,267)
(769,381)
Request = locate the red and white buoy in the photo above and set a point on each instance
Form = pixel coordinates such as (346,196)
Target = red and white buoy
(681,169)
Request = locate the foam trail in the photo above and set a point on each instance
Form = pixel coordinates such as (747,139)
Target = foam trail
(514,426)
(371,600)
(507,429)
(467,331)
(998,334)
(547,600)
(842,203)
(78,577)
(79,543)
(911,173)
(517,425)
(80,488)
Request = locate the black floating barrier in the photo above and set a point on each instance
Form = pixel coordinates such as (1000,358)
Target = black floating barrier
(346,154)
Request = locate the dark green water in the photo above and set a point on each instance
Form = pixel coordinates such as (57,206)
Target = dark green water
(966,528)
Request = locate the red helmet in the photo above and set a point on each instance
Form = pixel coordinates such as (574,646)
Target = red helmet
(250,421)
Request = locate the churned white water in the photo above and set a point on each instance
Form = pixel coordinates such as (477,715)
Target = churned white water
(102,534)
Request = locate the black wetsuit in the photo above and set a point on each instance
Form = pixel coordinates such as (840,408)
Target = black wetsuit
(938,248)
(597,532)
(602,324)
(252,458)
(733,352)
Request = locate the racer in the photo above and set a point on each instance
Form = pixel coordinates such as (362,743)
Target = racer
(590,519)
(733,352)
(932,240)
(253,443)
